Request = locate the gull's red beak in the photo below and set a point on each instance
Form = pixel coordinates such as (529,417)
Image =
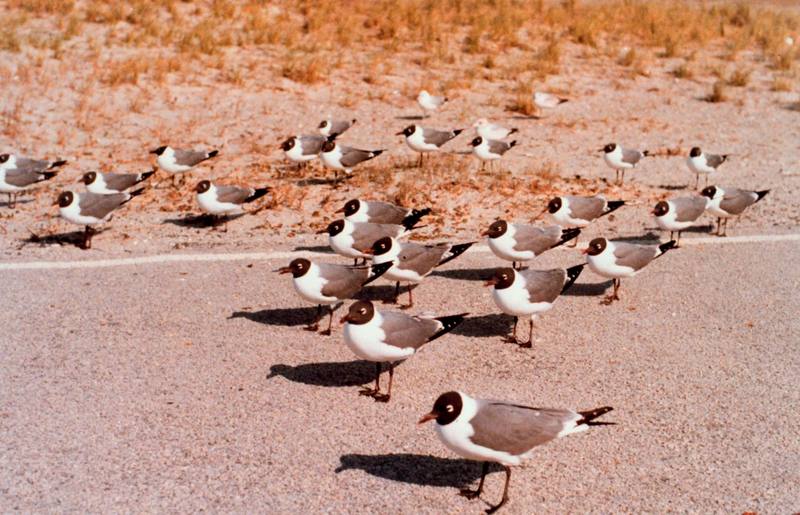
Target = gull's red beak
(485,233)
(340,210)
(428,417)
(585,251)
(491,282)
(368,252)
(344,319)
(284,270)
(322,231)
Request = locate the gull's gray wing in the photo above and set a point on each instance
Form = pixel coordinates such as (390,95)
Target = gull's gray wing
(544,285)
(735,201)
(536,239)
(98,205)
(689,209)
(516,429)
(633,255)
(343,281)
(406,331)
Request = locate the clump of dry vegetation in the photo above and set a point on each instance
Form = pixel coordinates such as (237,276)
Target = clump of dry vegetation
(719,92)
(739,78)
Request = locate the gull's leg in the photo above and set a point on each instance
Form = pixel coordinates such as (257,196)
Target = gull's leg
(472,494)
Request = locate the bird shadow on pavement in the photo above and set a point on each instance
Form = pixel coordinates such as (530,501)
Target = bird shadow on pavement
(525,117)
(465,274)
(6,203)
(68,238)
(344,373)
(646,237)
(417,469)
(496,324)
(410,117)
(320,181)
(279,316)
(674,187)
(200,221)
(322,249)
(588,289)
(700,228)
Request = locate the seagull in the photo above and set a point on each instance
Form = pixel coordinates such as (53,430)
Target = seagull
(218,200)
(620,159)
(488,130)
(490,149)
(423,139)
(547,100)
(327,284)
(329,127)
(355,239)
(618,259)
(679,213)
(17,174)
(357,210)
(176,161)
(390,337)
(90,209)
(527,293)
(520,242)
(412,261)
(700,162)
(502,432)
(340,157)
(429,102)
(105,183)
(301,149)
(575,211)
(729,202)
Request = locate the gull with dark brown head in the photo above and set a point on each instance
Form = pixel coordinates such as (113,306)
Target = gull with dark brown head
(105,183)
(620,159)
(529,293)
(341,157)
(617,259)
(729,202)
(577,211)
(302,149)
(412,261)
(331,127)
(90,209)
(326,284)
(358,210)
(176,161)
(18,174)
(424,139)
(490,149)
(502,432)
(519,242)
(678,214)
(355,239)
(700,162)
(390,337)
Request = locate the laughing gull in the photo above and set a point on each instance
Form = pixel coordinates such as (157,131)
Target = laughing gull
(620,159)
(326,284)
(340,157)
(412,261)
(502,432)
(527,293)
(547,100)
(618,259)
(429,103)
(729,202)
(18,174)
(680,213)
(177,161)
(488,130)
(355,239)
(390,337)
(90,209)
(357,210)
(301,149)
(700,162)
(520,242)
(575,211)
(218,200)
(105,183)
(490,149)
(329,127)
(424,139)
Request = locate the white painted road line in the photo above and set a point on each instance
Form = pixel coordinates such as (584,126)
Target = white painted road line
(267,256)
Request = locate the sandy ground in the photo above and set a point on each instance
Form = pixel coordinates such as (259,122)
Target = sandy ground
(115,395)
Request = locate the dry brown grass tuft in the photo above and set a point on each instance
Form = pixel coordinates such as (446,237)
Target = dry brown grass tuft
(739,78)
(60,7)
(782,84)
(305,69)
(684,71)
(127,71)
(523,99)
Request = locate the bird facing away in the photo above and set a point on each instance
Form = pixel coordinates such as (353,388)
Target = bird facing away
(90,209)
(18,174)
(488,130)
(678,214)
(618,259)
(105,183)
(424,139)
(429,103)
(528,293)
(520,242)
(176,161)
(620,159)
(729,202)
(412,261)
(326,284)
(502,432)
(358,210)
(701,163)
(330,127)
(390,337)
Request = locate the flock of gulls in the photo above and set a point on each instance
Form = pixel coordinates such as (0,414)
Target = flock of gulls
(371,233)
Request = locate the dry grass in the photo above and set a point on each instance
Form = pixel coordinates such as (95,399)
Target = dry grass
(739,78)
(684,71)
(782,84)
(718,93)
